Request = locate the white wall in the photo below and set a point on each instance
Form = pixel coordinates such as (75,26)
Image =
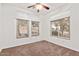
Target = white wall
(9,15)
(73,43)
(0,24)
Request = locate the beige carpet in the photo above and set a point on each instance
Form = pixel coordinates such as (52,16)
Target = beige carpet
(42,48)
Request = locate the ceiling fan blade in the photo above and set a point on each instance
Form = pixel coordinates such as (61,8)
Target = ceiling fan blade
(46,7)
(30,6)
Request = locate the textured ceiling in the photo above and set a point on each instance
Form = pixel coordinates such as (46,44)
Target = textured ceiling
(53,7)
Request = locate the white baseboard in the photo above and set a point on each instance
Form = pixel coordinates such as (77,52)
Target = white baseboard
(64,46)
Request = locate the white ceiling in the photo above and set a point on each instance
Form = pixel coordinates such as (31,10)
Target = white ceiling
(53,7)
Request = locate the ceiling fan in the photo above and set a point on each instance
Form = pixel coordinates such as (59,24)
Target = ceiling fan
(39,6)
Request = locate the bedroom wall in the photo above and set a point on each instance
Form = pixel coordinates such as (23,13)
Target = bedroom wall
(0,24)
(73,43)
(9,15)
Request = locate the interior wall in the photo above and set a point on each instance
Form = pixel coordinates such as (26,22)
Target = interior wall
(0,24)
(9,15)
(74,29)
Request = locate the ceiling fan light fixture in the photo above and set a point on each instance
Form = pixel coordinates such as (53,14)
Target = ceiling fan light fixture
(38,7)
